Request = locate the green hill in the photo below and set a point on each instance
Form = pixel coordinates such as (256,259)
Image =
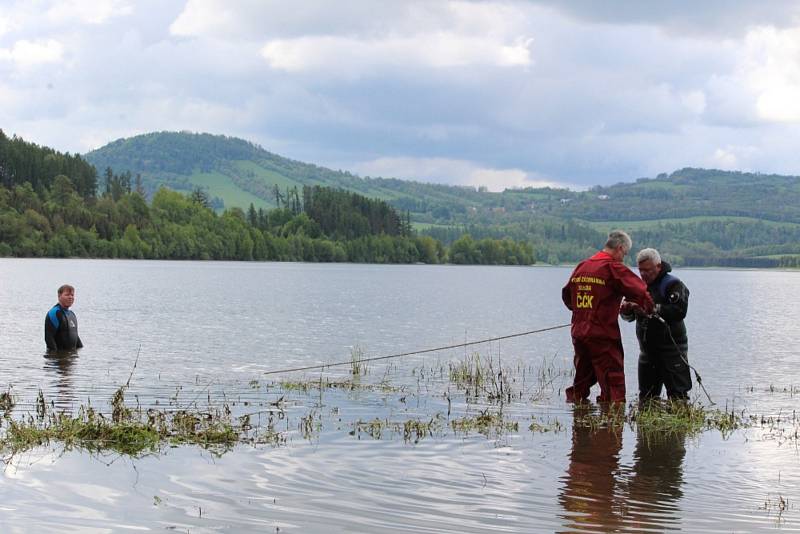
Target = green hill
(240,172)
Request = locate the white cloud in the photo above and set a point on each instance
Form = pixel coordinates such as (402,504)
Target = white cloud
(733,157)
(772,70)
(4,25)
(200,17)
(26,53)
(349,55)
(88,11)
(453,171)
(724,159)
(694,101)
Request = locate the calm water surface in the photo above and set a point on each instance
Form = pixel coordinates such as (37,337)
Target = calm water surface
(209,331)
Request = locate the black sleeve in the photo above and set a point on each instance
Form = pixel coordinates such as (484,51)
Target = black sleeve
(676,302)
(49,333)
(566,296)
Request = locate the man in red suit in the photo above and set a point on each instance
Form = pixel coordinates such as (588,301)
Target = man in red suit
(594,293)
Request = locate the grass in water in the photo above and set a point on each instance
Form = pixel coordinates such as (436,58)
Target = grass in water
(358,367)
(661,417)
(127,431)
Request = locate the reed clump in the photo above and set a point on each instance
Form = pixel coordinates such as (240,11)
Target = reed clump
(661,417)
(482,377)
(358,367)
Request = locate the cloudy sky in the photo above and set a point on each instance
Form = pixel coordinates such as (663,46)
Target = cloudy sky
(495,93)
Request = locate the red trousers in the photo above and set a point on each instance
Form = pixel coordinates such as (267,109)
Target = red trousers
(598,361)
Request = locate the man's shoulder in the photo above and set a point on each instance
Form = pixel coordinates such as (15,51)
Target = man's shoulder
(53,315)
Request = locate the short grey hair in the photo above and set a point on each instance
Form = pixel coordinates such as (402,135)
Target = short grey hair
(648,254)
(617,238)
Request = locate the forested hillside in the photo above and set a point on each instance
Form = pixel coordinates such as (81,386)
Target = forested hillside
(45,212)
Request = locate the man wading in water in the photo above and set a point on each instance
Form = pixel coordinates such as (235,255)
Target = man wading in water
(60,324)
(663,343)
(594,293)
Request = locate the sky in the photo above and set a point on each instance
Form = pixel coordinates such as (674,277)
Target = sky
(502,94)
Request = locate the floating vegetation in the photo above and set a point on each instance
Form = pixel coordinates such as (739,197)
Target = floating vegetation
(127,431)
(327,383)
(486,423)
(310,425)
(779,428)
(412,430)
(548,426)
(777,504)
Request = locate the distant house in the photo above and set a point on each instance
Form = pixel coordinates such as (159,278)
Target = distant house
(566,200)
(499,209)
(602,197)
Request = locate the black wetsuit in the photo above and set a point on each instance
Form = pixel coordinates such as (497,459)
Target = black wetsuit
(61,329)
(663,359)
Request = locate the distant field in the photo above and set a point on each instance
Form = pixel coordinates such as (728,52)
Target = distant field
(779,256)
(425,226)
(220,185)
(269,177)
(636,225)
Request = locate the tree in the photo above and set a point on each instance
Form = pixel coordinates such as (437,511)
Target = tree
(199,197)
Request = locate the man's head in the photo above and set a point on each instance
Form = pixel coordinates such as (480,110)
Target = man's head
(618,244)
(66,295)
(649,261)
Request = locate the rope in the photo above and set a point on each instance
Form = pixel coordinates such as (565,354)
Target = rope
(697,376)
(400,355)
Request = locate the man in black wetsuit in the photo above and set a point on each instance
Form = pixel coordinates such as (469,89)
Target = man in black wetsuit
(60,324)
(663,343)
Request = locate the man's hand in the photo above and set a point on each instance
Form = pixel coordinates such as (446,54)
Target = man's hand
(630,308)
(627,307)
(648,305)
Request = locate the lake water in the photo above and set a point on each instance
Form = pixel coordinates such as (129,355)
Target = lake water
(206,332)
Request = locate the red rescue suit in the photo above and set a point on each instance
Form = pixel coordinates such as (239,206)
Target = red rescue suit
(594,293)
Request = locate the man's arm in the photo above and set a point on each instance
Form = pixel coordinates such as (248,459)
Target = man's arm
(627,310)
(632,287)
(676,302)
(566,296)
(50,332)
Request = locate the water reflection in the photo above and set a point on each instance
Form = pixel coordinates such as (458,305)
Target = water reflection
(600,495)
(655,485)
(591,495)
(61,365)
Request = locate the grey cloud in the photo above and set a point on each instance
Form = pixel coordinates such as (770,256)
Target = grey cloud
(717,18)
